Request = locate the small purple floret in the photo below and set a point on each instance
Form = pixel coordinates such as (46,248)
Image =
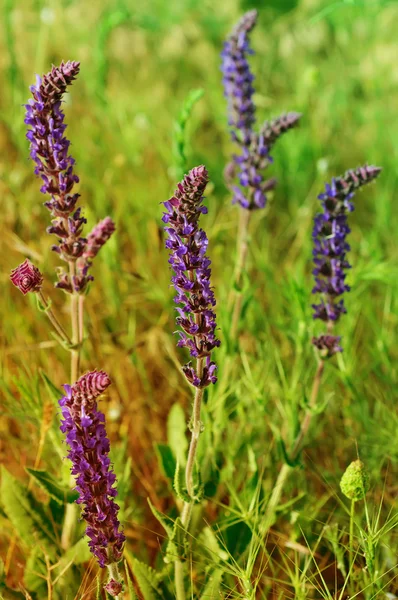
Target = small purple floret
(84,426)
(188,246)
(330,250)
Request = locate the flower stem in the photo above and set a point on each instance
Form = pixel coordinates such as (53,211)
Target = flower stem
(189,479)
(53,319)
(351,539)
(115,575)
(70,511)
(293,454)
(235,299)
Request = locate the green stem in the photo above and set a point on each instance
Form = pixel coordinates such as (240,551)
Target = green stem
(351,540)
(189,479)
(53,319)
(293,454)
(236,298)
(115,575)
(71,509)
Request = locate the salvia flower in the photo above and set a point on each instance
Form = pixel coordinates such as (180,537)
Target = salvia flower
(188,246)
(84,426)
(330,250)
(27,277)
(254,157)
(49,149)
(238,79)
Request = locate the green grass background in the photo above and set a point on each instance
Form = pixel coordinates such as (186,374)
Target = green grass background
(336,62)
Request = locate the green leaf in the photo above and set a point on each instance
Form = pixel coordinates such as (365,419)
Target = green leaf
(178,485)
(36,572)
(147,580)
(163,520)
(176,433)
(177,546)
(79,553)
(132,594)
(28,516)
(166,460)
(54,392)
(212,589)
(55,490)
(209,542)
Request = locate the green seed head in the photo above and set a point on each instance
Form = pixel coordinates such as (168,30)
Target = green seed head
(355,482)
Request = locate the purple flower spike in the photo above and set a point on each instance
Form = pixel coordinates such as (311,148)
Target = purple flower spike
(49,149)
(27,277)
(98,237)
(330,249)
(238,79)
(254,156)
(86,437)
(188,245)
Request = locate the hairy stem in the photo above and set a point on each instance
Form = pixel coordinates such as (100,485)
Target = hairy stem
(293,454)
(115,575)
(81,318)
(71,509)
(53,319)
(235,299)
(189,479)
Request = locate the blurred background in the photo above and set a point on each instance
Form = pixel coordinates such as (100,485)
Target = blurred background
(335,62)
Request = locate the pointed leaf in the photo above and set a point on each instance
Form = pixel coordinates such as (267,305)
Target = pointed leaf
(132,594)
(36,572)
(176,433)
(165,522)
(28,516)
(54,489)
(166,460)
(147,580)
(212,589)
(179,486)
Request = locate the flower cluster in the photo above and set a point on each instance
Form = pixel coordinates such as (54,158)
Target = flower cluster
(254,147)
(49,149)
(188,245)
(27,277)
(238,79)
(330,250)
(86,437)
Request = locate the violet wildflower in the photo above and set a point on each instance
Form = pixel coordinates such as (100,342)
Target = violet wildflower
(330,251)
(254,147)
(27,277)
(188,245)
(238,78)
(49,149)
(86,437)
